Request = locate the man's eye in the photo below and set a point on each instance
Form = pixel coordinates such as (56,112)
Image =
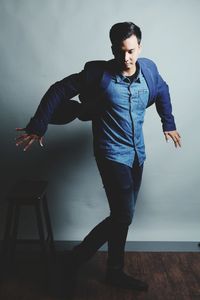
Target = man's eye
(131,51)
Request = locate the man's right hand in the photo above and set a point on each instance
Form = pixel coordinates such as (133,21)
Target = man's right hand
(28,139)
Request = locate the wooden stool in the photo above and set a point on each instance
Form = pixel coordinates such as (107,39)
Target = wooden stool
(27,192)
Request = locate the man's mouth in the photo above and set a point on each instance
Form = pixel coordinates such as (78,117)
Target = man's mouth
(127,64)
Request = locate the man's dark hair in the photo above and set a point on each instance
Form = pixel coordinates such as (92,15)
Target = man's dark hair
(122,31)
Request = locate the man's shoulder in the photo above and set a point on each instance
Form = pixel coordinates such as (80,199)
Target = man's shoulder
(146,62)
(95,69)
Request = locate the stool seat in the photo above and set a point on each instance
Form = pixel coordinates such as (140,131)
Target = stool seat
(27,192)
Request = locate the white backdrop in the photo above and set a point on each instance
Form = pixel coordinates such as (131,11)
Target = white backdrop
(44,41)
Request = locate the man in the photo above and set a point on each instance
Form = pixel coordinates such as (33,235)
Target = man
(114,95)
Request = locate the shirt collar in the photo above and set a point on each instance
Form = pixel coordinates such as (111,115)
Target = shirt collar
(119,76)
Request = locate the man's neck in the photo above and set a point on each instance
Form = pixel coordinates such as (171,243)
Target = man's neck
(129,72)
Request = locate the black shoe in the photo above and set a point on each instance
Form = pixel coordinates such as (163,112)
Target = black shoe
(120,279)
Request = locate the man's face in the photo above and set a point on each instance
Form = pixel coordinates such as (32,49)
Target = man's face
(127,53)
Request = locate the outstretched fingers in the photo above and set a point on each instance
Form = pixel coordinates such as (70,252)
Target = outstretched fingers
(27,145)
(175,136)
(21,139)
(28,139)
(41,141)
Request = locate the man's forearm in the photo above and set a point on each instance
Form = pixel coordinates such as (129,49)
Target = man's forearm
(50,101)
(60,91)
(164,107)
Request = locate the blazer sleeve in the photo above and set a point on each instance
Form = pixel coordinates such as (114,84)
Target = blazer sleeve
(163,105)
(58,93)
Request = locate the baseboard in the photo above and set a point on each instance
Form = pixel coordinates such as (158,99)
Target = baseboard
(144,246)
(137,246)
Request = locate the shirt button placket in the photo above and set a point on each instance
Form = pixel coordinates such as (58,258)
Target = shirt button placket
(130,110)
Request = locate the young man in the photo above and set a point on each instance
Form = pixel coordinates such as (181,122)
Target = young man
(114,95)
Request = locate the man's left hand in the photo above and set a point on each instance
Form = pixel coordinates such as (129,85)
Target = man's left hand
(175,136)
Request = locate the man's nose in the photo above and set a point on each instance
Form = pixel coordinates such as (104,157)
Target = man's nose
(126,56)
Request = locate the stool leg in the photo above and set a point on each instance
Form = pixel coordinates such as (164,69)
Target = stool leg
(41,231)
(48,225)
(42,241)
(7,232)
(15,231)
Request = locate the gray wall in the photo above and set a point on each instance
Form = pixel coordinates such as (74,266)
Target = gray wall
(44,41)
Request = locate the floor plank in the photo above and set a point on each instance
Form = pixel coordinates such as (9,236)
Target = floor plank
(170,275)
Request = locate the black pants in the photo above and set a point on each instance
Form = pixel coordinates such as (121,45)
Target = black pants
(122,184)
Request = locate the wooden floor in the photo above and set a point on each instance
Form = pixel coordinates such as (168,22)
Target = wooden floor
(170,275)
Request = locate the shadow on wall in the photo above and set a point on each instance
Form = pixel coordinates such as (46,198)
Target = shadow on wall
(59,151)
(60,161)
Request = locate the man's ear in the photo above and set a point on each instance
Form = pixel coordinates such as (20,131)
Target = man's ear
(140,48)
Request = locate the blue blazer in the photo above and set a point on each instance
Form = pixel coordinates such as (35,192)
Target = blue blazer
(57,106)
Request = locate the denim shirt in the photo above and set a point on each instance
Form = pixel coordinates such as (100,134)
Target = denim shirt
(117,133)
